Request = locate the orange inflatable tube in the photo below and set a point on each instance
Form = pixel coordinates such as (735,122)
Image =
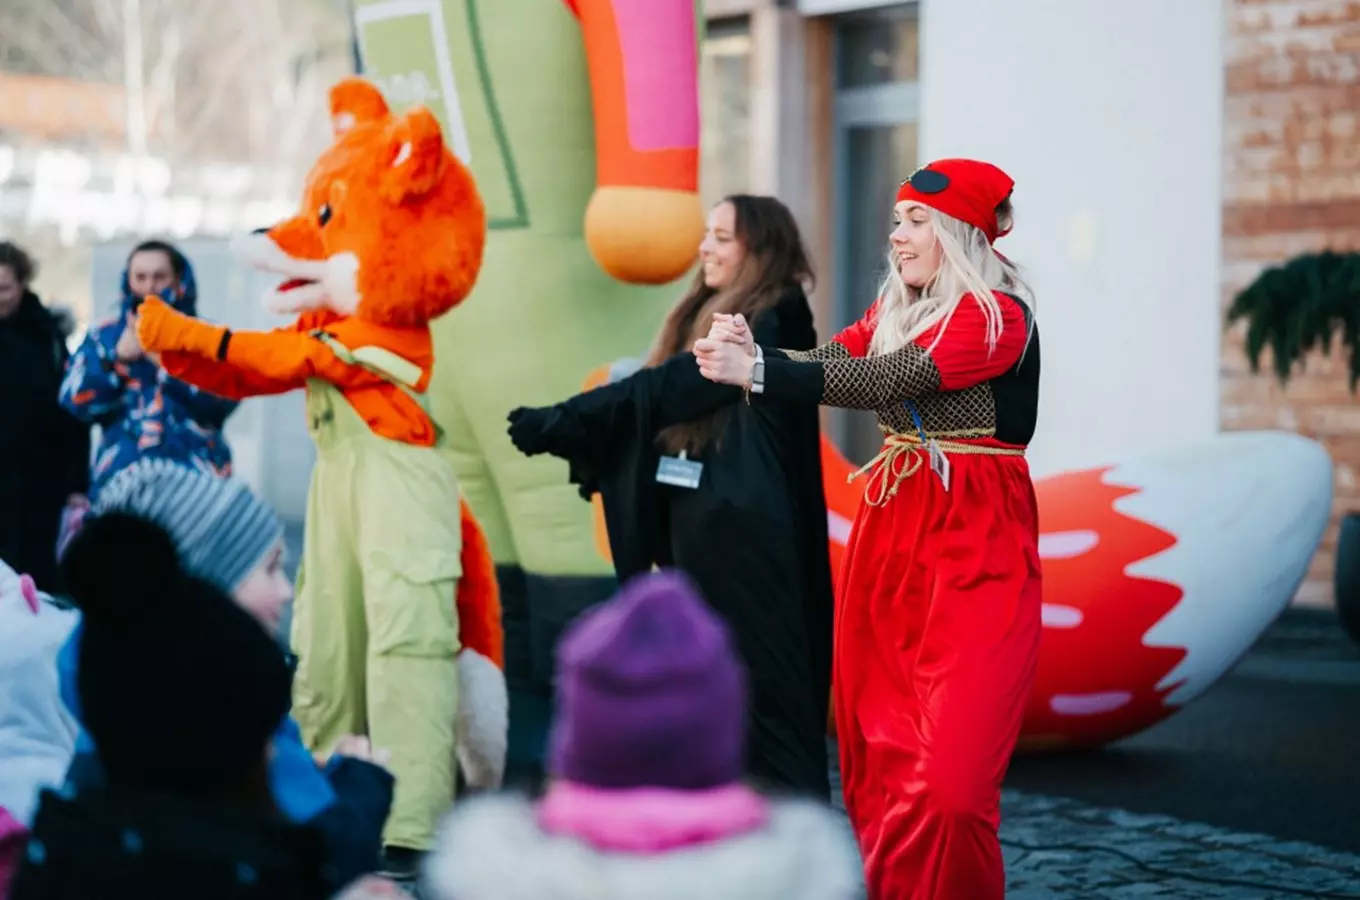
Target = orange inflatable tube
(645,220)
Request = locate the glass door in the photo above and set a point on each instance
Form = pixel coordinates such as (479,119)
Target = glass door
(877,54)
(725,79)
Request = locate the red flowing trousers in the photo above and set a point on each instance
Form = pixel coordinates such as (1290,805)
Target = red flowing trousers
(937,637)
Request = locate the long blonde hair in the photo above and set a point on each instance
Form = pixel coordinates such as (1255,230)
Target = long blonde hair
(968,265)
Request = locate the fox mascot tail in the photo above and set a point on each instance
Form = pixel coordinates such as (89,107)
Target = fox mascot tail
(483,720)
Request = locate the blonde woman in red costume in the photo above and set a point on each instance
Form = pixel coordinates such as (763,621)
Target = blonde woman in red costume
(937,630)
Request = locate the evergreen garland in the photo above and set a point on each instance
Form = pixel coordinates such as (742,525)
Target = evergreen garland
(1297,307)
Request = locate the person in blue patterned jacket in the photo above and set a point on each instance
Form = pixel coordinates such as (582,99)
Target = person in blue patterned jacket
(142,411)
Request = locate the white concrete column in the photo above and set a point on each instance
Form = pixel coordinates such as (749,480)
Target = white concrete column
(1110,120)
(779,107)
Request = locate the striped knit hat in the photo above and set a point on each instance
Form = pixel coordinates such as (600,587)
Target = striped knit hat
(222,530)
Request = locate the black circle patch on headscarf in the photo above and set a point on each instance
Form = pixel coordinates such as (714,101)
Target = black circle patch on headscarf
(928,181)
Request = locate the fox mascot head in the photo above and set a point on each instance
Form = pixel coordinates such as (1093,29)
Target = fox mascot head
(391,229)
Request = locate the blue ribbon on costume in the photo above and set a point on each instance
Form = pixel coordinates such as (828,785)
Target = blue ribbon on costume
(916,420)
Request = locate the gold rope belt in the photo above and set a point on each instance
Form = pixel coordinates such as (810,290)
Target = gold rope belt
(909,449)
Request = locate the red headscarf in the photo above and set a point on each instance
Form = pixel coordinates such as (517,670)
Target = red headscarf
(966,189)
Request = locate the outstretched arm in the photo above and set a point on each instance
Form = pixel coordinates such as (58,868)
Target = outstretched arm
(237,364)
(586,428)
(645,221)
(960,359)
(219,377)
(207,409)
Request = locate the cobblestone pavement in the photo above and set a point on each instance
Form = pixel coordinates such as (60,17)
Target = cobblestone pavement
(1059,849)
(1271,748)
(1065,850)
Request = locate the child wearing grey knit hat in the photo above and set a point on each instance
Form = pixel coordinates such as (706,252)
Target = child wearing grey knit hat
(226,535)
(230,538)
(223,533)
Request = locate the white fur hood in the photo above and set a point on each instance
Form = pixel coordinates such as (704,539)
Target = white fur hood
(37,733)
(490,848)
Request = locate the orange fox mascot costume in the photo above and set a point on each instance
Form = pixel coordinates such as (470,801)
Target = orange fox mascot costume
(395,575)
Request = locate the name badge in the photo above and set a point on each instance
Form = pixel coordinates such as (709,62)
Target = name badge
(939,464)
(679,471)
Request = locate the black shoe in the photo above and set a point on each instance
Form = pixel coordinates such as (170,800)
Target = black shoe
(401,863)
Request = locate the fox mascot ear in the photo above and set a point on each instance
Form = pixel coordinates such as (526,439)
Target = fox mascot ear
(418,155)
(355,100)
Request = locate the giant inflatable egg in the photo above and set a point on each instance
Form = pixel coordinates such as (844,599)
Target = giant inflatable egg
(1160,571)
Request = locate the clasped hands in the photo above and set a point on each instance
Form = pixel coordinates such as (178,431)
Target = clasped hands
(728,354)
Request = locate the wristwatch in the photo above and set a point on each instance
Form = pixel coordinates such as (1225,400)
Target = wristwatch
(758,372)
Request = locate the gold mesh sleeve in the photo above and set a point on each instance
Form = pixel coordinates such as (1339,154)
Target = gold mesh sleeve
(829,350)
(877,382)
(862,382)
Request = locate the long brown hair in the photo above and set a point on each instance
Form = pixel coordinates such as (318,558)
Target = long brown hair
(775,263)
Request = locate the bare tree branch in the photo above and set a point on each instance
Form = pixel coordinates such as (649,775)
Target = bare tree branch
(107,15)
(85,53)
(234,82)
(160,82)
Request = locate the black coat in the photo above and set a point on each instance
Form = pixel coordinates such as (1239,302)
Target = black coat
(753,535)
(44,450)
(117,843)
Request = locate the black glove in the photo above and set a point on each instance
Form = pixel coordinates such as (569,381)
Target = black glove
(540,429)
(535,430)
(526,429)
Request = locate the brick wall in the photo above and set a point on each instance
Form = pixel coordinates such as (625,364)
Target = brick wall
(1292,185)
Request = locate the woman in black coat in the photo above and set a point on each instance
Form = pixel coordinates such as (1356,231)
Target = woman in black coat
(693,476)
(44,450)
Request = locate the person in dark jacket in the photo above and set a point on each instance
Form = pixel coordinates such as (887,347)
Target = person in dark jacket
(232,539)
(143,412)
(690,473)
(181,690)
(44,451)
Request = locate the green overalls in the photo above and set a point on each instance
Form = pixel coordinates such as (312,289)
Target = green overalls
(375,626)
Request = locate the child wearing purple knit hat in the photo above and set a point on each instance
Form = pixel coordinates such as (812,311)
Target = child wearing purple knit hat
(646,760)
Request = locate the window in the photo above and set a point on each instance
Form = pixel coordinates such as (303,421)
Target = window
(878,157)
(878,48)
(876,65)
(725,92)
